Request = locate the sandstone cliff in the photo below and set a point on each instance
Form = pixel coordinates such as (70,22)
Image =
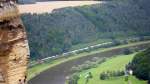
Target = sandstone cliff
(14,50)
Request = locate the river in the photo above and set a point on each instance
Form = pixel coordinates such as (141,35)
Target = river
(58,74)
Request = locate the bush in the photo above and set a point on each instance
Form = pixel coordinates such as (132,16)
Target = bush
(149,78)
(75,69)
(95,59)
(88,64)
(73,79)
(118,73)
(84,66)
(125,42)
(104,76)
(116,42)
(101,61)
(90,75)
(108,74)
(88,49)
(127,51)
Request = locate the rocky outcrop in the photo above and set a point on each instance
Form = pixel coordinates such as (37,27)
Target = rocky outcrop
(14,51)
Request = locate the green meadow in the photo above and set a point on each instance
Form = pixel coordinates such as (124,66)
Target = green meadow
(112,64)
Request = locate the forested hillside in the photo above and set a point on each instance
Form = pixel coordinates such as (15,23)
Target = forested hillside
(54,33)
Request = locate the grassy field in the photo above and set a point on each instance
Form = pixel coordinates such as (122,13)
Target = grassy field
(32,72)
(113,64)
(44,7)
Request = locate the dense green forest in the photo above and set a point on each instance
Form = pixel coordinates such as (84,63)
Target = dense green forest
(141,65)
(53,33)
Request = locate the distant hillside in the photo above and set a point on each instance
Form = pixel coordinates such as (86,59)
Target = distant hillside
(51,34)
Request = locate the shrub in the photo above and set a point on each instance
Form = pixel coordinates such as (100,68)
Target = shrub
(101,60)
(88,49)
(75,69)
(108,74)
(126,78)
(125,42)
(87,65)
(90,75)
(116,42)
(127,51)
(95,59)
(104,76)
(119,73)
(84,66)
(73,79)
(149,78)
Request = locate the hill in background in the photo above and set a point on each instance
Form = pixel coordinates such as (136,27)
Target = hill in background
(57,32)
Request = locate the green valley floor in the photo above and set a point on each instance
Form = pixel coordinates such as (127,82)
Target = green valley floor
(113,64)
(34,71)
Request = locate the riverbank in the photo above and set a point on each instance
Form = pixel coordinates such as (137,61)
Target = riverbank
(116,63)
(36,70)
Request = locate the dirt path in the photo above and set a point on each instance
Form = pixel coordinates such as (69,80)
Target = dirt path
(42,7)
(57,74)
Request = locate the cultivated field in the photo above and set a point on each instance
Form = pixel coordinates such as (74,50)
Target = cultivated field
(42,7)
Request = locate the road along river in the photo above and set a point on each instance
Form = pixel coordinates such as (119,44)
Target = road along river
(58,74)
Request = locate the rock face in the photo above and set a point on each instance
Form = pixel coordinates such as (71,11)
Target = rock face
(14,51)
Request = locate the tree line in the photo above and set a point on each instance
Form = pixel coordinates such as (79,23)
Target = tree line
(141,65)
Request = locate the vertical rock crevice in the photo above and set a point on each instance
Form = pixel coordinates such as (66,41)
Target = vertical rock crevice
(14,51)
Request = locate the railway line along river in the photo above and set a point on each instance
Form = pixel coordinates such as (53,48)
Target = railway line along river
(58,73)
